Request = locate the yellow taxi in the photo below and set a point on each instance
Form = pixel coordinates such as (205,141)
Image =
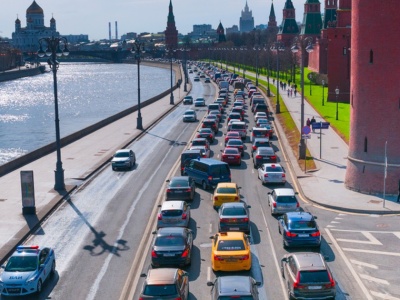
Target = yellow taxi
(225,192)
(230,251)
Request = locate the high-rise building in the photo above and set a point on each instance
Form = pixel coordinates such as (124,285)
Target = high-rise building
(246,20)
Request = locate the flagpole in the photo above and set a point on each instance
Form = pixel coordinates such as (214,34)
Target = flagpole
(384,177)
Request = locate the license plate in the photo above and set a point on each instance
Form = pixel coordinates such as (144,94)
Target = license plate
(178,191)
(13,290)
(231,260)
(303,235)
(230,157)
(315,287)
(216,178)
(169,254)
(234,228)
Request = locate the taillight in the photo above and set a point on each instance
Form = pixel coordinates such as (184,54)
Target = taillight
(296,283)
(209,178)
(218,258)
(290,234)
(265,175)
(216,198)
(283,175)
(317,233)
(224,220)
(236,198)
(258,156)
(254,148)
(273,157)
(203,126)
(168,190)
(332,282)
(184,216)
(237,156)
(188,190)
(153,253)
(185,253)
(297,204)
(245,257)
(274,204)
(210,136)
(159,216)
(245,219)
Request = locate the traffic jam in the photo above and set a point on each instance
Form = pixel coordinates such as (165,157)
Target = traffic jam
(306,274)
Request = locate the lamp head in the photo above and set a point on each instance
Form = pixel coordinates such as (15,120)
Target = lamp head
(337,91)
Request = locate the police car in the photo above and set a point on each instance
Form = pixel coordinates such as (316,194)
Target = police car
(26,270)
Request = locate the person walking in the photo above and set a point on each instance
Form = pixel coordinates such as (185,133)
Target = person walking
(308,123)
(312,122)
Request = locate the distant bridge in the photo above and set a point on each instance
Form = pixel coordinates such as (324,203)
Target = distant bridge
(114,56)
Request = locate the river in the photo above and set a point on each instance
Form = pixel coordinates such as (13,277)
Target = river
(87,93)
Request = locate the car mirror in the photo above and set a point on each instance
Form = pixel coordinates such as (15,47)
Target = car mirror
(258,283)
(280,218)
(154,232)
(167,180)
(209,283)
(315,217)
(269,193)
(284,259)
(212,237)
(143,275)
(326,257)
(248,206)
(159,205)
(296,193)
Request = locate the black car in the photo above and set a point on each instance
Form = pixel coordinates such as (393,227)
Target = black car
(172,246)
(234,287)
(263,155)
(210,124)
(234,216)
(299,229)
(180,188)
(207,133)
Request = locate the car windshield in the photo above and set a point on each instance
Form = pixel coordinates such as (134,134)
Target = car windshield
(275,170)
(231,151)
(233,211)
(286,199)
(189,112)
(236,297)
(237,126)
(198,143)
(21,264)
(226,190)
(230,245)
(179,183)
(314,276)
(205,130)
(169,240)
(122,154)
(172,213)
(160,290)
(302,225)
(235,142)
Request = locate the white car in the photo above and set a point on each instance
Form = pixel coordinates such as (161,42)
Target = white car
(123,159)
(205,152)
(259,115)
(271,173)
(199,102)
(26,270)
(189,116)
(283,200)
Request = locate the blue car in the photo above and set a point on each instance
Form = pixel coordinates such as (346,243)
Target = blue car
(299,229)
(26,271)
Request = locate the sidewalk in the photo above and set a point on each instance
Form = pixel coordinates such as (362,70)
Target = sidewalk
(80,159)
(325,186)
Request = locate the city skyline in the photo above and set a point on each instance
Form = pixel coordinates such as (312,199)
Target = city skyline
(92,16)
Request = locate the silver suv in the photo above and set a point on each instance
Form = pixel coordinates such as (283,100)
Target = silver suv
(173,213)
(307,276)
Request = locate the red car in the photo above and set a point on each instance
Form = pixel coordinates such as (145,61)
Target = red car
(236,143)
(231,156)
(231,135)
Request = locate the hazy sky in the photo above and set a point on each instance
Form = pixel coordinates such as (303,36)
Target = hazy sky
(92,16)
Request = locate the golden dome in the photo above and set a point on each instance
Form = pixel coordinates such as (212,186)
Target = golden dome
(34,9)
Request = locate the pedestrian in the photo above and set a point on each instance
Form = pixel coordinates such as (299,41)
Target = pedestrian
(312,122)
(273,80)
(288,92)
(295,92)
(291,92)
(398,196)
(308,122)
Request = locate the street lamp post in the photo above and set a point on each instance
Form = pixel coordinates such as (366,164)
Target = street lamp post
(256,49)
(278,47)
(54,50)
(170,51)
(268,66)
(323,95)
(309,48)
(138,50)
(337,103)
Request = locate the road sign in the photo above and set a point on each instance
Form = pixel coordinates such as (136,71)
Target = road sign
(306,136)
(306,130)
(320,125)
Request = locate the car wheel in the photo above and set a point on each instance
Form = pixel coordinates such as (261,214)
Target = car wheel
(255,167)
(283,244)
(113,168)
(279,229)
(39,287)
(53,268)
(289,294)
(204,185)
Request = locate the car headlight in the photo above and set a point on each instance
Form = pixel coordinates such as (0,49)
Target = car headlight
(31,279)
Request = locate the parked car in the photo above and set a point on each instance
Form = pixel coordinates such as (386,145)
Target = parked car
(189,116)
(266,155)
(299,229)
(123,159)
(188,100)
(172,246)
(173,214)
(307,276)
(165,283)
(283,200)
(271,173)
(181,188)
(231,156)
(230,251)
(234,287)
(234,216)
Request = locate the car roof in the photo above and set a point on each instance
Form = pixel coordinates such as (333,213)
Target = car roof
(123,150)
(180,178)
(227,184)
(261,140)
(189,110)
(161,276)
(266,150)
(172,205)
(283,191)
(259,129)
(171,231)
(231,235)
(234,285)
(233,204)
(23,250)
(299,216)
(309,260)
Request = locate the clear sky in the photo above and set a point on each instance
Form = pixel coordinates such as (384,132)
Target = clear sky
(92,16)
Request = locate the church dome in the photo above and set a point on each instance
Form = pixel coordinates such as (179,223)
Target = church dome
(34,9)
(52,20)
(17,21)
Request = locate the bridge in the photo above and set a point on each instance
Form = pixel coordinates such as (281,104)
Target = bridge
(114,56)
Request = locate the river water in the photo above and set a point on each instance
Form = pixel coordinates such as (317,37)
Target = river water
(87,93)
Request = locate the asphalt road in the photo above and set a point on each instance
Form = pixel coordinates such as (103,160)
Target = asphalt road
(102,234)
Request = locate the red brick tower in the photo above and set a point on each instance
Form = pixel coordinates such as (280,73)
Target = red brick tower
(375,97)
(289,28)
(171,34)
(272,28)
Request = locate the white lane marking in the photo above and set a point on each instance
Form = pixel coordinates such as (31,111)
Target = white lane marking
(397,234)
(374,279)
(208,274)
(337,218)
(384,296)
(94,288)
(371,231)
(342,215)
(334,222)
(371,239)
(364,264)
(372,252)
(346,261)
(330,226)
(210,228)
